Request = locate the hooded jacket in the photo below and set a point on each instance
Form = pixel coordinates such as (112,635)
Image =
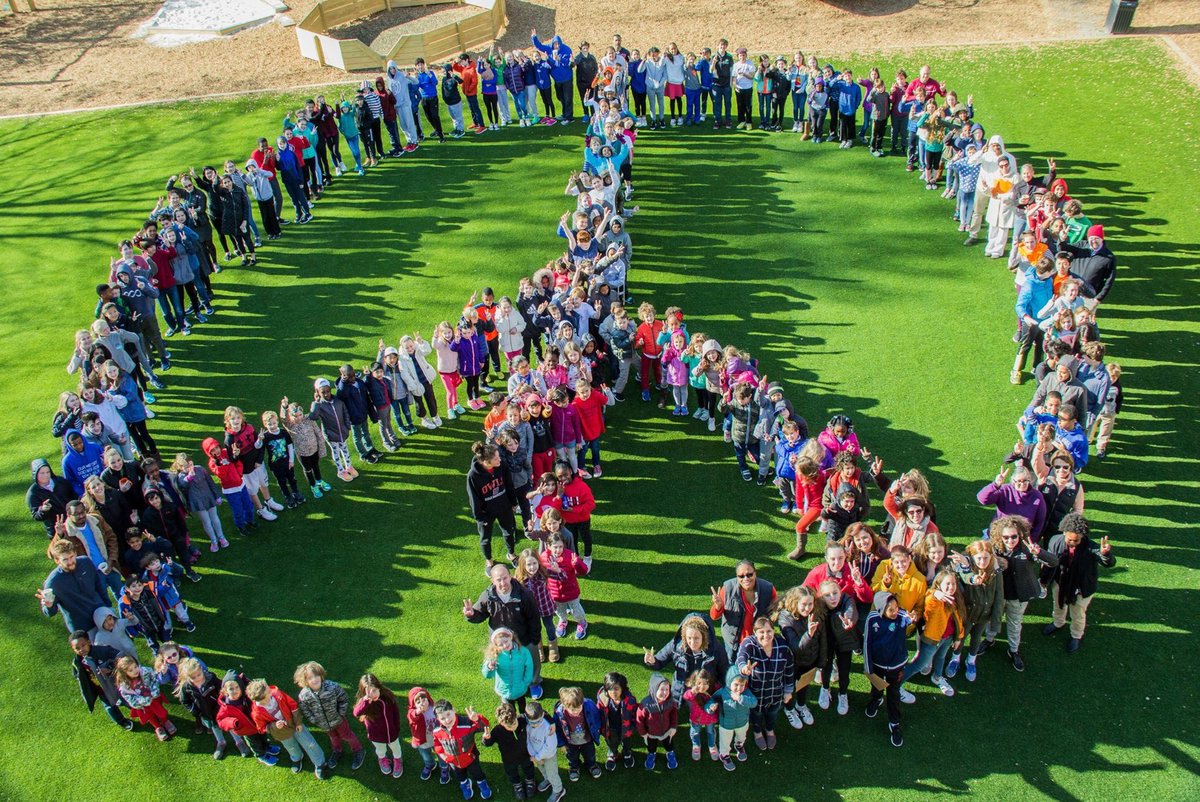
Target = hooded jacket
(151,618)
(456,744)
(885,646)
(58,493)
(264,720)
(77,466)
(221,465)
(657,719)
(1096,267)
(621,714)
(422,733)
(137,293)
(333,417)
(234,716)
(203,702)
(909,588)
(560,57)
(733,713)
(118,639)
(809,651)
(490,492)
(563,582)
(96,676)
(381,719)
(685,662)
(398,83)
(353,393)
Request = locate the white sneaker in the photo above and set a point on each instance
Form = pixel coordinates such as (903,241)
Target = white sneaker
(702,116)
(805,714)
(698,413)
(437,421)
(704,414)
(907,697)
(793,718)
(266,514)
(843,704)
(712,424)
(428,423)
(275,505)
(823,699)
(944,686)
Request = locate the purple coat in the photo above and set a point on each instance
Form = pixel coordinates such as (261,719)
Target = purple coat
(564,425)
(1010,501)
(472,353)
(675,372)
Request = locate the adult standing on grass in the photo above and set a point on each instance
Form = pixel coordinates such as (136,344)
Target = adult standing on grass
(505,604)
(722,71)
(988,159)
(560,72)
(1032,308)
(491,495)
(1021,560)
(770,670)
(586,70)
(1076,577)
(1020,497)
(738,602)
(74,588)
(694,648)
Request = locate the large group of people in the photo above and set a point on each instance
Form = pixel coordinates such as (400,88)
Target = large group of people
(544,364)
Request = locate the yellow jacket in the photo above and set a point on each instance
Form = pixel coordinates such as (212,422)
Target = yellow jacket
(908,589)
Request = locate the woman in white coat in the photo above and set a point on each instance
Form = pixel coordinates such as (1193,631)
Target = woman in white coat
(1001,210)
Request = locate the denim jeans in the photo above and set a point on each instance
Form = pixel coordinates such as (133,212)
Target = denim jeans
(594,447)
(928,654)
(519,101)
(764,108)
(400,408)
(693,105)
(966,205)
(362,438)
(710,729)
(722,96)
(303,743)
(352,141)
(171,303)
(476,113)
(240,506)
(798,101)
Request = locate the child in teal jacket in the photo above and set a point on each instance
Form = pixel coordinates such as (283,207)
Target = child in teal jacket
(509,664)
(734,702)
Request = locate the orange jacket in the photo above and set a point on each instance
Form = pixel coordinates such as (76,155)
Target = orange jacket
(937,615)
(470,78)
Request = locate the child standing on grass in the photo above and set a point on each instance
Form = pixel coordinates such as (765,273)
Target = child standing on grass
(199,692)
(1111,407)
(229,473)
(202,495)
(454,742)
(419,375)
(509,735)
(308,444)
(155,575)
(542,742)
(274,712)
(245,445)
(325,704)
(818,103)
(733,704)
(139,689)
(618,709)
(422,721)
(885,653)
(590,407)
(657,721)
(565,428)
(700,688)
(646,341)
(376,707)
(577,722)
(233,716)
(330,412)
(445,342)
(472,353)
(578,502)
(280,453)
(675,372)
(509,664)
(533,577)
(563,568)
(352,391)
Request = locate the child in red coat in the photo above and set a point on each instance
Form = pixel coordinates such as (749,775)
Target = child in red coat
(563,567)
(228,472)
(577,505)
(590,406)
(379,711)
(422,721)
(274,712)
(657,720)
(618,711)
(454,742)
(700,687)
(646,341)
(233,715)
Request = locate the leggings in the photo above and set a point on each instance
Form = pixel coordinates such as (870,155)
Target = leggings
(197,295)
(778,106)
(743,106)
(765,99)
(142,439)
(340,454)
(377,137)
(212,524)
(311,464)
(677,107)
(429,105)
(286,476)
(335,149)
(451,381)
(492,106)
(472,387)
(426,403)
(266,210)
(582,530)
(680,393)
(312,177)
(566,453)
(639,104)
(667,743)
(381,749)
(547,100)
(707,400)
(323,159)
(242,242)
(508,526)
(843,666)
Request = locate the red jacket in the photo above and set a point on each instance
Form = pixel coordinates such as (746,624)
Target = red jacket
(163,274)
(646,339)
(578,502)
(231,718)
(416,721)
(808,494)
(470,78)
(227,470)
(628,708)
(862,591)
(563,584)
(265,161)
(287,707)
(388,101)
(591,414)
(298,144)
(456,745)
(383,726)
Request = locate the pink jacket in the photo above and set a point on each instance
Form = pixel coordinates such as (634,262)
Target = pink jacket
(564,572)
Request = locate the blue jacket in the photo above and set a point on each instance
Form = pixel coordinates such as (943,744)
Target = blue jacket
(77,594)
(354,396)
(704,67)
(560,59)
(1076,443)
(784,452)
(637,78)
(289,164)
(541,72)
(427,84)
(733,714)
(850,96)
(134,410)
(591,716)
(514,76)
(886,644)
(472,355)
(78,466)
(1096,380)
(1034,295)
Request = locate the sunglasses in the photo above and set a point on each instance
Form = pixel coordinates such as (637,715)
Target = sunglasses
(1062,467)
(745,576)
(1010,537)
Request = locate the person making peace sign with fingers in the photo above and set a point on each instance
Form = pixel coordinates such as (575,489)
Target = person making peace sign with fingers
(767,663)
(1076,577)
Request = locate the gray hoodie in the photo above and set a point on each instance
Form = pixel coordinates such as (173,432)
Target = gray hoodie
(137,293)
(398,82)
(117,639)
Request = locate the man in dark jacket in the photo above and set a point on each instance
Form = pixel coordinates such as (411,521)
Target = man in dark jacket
(74,587)
(505,604)
(586,69)
(1093,263)
(47,497)
(94,668)
(1077,575)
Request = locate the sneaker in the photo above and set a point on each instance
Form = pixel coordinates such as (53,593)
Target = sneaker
(728,436)
(942,685)
(726,763)
(594,771)
(712,424)
(698,413)
(557,795)
(771,741)
(645,395)
(324,485)
(1073,645)
(747,476)
(192,575)
(297,766)
(649,764)
(843,704)
(561,629)
(583,474)
(672,762)
(427,772)
(458,408)
(906,697)
(385,765)
(785,508)
(268,760)
(437,420)
(485,790)
(535,692)
(610,762)
(793,718)
(805,714)
(451,414)
(971,671)
(214,546)
(823,699)
(580,631)
(896,737)
(266,514)
(573,774)
(760,741)
(428,423)
(952,667)
(274,505)
(597,471)
(190,626)
(712,753)
(742,757)
(444,777)
(695,753)
(317,491)
(761,480)
(468,790)
(1017,662)
(397,767)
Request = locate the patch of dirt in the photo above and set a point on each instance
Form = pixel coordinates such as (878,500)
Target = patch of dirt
(74,54)
(382,31)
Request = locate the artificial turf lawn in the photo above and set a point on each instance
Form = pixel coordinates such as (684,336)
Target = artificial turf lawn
(838,271)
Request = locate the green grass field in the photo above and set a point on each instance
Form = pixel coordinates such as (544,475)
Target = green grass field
(836,270)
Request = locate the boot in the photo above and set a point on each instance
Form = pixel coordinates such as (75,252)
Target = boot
(554,656)
(805,131)
(801,544)
(542,652)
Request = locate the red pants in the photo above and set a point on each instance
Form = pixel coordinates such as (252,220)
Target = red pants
(808,519)
(651,365)
(341,736)
(542,463)
(153,714)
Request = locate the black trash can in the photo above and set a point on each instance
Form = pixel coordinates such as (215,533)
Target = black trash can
(1120,16)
